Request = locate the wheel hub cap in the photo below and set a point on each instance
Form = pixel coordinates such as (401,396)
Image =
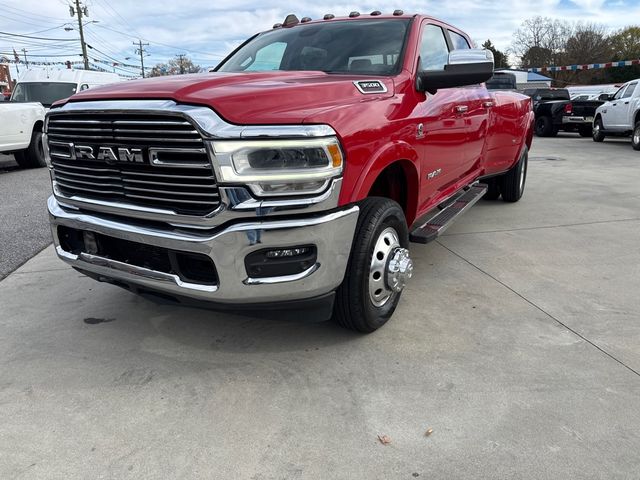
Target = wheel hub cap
(390,269)
(399,270)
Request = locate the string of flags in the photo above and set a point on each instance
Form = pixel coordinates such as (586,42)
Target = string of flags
(79,62)
(589,66)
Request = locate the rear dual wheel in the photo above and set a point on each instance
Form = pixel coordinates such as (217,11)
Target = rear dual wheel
(512,183)
(379,267)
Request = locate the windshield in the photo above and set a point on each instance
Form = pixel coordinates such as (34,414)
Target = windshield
(362,47)
(44,92)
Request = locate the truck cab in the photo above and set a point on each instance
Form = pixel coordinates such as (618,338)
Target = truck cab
(620,115)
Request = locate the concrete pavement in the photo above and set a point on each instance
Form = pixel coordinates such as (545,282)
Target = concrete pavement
(517,342)
(23,229)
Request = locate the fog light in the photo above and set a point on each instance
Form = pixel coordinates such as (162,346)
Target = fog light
(280,262)
(287,252)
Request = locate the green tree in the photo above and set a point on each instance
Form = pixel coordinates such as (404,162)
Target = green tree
(500,59)
(625,44)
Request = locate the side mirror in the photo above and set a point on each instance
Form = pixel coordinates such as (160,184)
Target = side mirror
(465,67)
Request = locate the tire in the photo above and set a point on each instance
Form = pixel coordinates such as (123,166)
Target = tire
(596,133)
(33,156)
(381,231)
(585,130)
(493,192)
(544,127)
(635,137)
(512,183)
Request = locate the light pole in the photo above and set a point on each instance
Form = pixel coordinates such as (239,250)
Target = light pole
(81,25)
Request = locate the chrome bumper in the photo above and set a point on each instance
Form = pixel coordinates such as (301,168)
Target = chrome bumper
(332,233)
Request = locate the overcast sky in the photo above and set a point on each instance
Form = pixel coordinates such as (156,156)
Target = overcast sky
(206,30)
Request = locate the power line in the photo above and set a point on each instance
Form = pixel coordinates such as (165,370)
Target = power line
(39,38)
(26,14)
(162,44)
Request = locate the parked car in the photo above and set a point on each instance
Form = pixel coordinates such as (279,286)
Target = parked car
(620,115)
(555,111)
(502,81)
(21,132)
(295,175)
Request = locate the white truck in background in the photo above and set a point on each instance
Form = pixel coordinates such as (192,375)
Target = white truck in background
(22,117)
(21,132)
(620,115)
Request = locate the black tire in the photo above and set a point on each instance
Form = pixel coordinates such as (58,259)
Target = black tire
(33,156)
(354,307)
(493,192)
(585,130)
(597,134)
(635,137)
(544,127)
(512,183)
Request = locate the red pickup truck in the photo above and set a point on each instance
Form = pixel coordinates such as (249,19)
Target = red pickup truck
(295,175)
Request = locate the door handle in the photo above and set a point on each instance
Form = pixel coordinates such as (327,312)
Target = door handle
(487,104)
(462,108)
(626,103)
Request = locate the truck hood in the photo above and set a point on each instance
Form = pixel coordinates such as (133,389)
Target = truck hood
(248,98)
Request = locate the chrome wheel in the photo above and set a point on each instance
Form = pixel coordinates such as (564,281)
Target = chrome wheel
(390,269)
(636,137)
(523,174)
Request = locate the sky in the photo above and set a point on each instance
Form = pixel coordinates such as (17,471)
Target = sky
(207,30)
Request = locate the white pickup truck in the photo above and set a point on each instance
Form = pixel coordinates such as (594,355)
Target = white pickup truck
(21,132)
(620,115)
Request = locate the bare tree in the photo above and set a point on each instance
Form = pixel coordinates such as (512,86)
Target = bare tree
(541,39)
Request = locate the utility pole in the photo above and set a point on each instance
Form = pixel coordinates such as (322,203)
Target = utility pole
(181,62)
(141,51)
(26,61)
(81,11)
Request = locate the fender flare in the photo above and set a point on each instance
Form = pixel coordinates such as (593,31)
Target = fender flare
(394,152)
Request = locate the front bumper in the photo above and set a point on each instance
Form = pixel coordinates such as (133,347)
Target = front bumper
(331,232)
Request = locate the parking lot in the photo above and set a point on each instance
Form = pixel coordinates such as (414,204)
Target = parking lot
(517,342)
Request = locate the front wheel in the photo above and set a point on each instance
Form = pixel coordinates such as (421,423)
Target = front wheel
(635,137)
(378,269)
(512,182)
(33,156)
(598,135)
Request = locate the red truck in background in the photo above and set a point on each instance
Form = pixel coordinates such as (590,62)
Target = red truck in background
(295,175)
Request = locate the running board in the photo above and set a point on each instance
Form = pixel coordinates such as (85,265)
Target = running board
(431,228)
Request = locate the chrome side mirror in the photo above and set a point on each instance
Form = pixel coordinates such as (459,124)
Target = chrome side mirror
(464,67)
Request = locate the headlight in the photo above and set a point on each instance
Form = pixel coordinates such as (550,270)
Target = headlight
(278,167)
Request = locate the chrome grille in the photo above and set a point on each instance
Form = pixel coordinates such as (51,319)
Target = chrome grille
(172,172)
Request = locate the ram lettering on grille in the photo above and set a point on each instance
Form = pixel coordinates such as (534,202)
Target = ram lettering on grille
(132,159)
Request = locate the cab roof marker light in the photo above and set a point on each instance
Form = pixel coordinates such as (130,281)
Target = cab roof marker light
(290,21)
(398,12)
(305,19)
(375,13)
(329,16)
(354,14)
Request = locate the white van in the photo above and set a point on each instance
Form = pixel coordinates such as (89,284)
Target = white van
(47,86)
